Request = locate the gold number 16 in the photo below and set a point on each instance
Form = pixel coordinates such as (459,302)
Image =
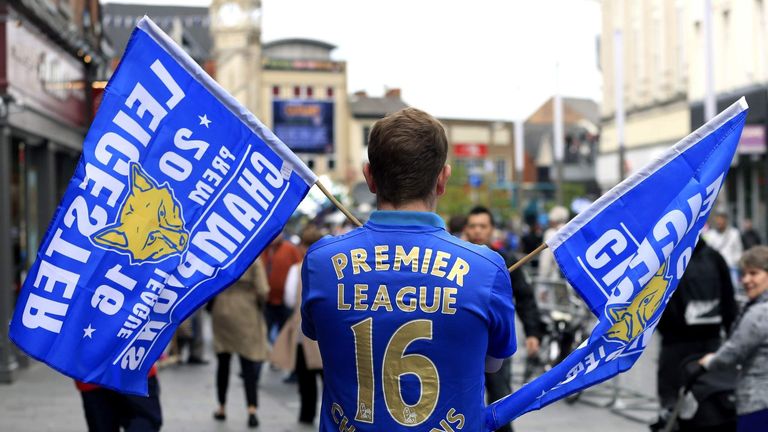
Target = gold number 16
(395,364)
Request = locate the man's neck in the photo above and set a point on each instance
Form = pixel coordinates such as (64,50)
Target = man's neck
(417,206)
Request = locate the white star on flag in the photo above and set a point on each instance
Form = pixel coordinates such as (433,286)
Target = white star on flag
(204,120)
(88,332)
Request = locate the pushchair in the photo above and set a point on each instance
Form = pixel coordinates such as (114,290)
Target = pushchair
(707,403)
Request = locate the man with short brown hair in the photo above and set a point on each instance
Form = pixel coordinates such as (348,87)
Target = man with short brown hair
(407,316)
(407,152)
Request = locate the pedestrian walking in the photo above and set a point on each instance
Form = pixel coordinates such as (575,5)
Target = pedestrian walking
(239,328)
(726,239)
(479,230)
(190,335)
(407,316)
(531,239)
(747,346)
(749,235)
(294,351)
(107,410)
(702,307)
(278,258)
(548,269)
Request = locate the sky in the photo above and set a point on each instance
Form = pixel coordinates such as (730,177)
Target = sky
(484,59)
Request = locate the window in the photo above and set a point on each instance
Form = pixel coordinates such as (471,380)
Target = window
(659,52)
(366,134)
(296,91)
(329,92)
(638,53)
(680,82)
(726,50)
(310,91)
(275,90)
(331,164)
(311,163)
(501,171)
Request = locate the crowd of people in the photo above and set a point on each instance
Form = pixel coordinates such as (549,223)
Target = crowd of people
(274,315)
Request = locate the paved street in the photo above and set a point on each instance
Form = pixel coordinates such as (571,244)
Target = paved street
(43,400)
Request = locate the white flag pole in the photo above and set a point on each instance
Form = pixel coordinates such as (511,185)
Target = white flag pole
(338,205)
(710,105)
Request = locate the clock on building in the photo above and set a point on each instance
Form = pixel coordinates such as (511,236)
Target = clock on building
(230,14)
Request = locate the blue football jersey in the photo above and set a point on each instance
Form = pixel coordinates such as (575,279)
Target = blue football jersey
(405,315)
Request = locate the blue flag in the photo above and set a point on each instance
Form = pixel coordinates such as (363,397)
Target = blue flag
(625,255)
(179,188)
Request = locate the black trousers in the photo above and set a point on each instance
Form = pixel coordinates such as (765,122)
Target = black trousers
(498,385)
(251,372)
(108,411)
(307,379)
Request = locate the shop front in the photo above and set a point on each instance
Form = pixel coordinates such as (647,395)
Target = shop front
(44,110)
(745,195)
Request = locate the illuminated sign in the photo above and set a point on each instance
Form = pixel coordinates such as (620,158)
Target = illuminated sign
(305,126)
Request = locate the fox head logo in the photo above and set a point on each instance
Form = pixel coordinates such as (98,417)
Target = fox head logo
(631,319)
(150,226)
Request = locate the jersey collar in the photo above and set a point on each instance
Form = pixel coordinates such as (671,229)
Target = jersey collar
(406,218)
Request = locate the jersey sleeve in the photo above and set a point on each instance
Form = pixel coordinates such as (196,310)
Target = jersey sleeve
(307,324)
(502,341)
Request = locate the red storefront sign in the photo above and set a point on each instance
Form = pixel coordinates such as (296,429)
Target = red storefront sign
(470,150)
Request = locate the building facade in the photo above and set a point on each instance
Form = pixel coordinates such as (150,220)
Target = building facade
(662,46)
(236,51)
(365,110)
(304,101)
(740,62)
(190,27)
(578,166)
(483,150)
(51,52)
(654,36)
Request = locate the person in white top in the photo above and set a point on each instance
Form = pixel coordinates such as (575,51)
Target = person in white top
(548,269)
(726,239)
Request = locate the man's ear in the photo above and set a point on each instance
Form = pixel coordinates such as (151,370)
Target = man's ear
(442,179)
(369,178)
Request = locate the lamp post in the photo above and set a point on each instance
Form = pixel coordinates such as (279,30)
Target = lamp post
(710,104)
(557,132)
(618,91)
